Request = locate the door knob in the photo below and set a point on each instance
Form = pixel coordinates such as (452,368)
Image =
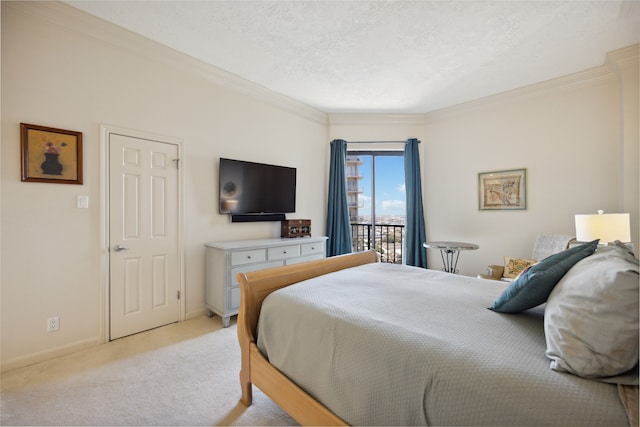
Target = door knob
(119,248)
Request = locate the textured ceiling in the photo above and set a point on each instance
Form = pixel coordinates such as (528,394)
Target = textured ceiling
(385,56)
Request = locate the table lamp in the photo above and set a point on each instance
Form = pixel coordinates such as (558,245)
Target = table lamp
(606,227)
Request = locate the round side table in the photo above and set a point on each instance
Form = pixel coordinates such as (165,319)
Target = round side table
(450,252)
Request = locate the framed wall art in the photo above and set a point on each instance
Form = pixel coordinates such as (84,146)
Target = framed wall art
(50,154)
(503,190)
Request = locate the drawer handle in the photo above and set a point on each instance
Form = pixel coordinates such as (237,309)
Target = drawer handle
(284,252)
(248,256)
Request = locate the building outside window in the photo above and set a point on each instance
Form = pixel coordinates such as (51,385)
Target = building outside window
(377,202)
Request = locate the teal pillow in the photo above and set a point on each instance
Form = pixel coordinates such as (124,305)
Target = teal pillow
(534,285)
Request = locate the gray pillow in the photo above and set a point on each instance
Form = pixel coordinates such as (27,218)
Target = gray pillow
(591,317)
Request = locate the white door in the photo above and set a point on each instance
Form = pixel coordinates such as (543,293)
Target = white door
(143,234)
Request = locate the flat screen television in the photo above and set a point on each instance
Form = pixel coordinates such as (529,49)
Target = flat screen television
(256,191)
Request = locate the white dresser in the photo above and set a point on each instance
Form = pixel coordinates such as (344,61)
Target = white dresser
(224,260)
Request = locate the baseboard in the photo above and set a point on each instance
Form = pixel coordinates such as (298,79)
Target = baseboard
(197,313)
(41,356)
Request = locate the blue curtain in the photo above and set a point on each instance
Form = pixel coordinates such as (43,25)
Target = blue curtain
(415,253)
(338,225)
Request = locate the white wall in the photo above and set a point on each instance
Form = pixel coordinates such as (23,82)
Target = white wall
(567,134)
(65,69)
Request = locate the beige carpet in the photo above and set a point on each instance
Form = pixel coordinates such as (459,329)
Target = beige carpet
(184,374)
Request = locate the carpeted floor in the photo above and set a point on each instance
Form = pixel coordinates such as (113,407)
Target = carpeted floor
(184,374)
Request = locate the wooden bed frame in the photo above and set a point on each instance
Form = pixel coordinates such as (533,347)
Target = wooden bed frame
(256,369)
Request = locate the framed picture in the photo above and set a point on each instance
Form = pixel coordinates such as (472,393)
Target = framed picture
(50,155)
(503,190)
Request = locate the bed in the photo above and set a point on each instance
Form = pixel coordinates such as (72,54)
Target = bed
(348,340)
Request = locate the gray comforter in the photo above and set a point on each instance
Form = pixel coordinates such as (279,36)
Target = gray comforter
(385,344)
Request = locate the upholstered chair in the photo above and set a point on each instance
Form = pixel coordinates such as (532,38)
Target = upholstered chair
(545,245)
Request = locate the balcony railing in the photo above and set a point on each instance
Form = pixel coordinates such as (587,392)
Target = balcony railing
(386,239)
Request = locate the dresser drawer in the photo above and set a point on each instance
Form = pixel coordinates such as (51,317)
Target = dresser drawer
(311,257)
(253,267)
(235,299)
(248,257)
(284,252)
(311,248)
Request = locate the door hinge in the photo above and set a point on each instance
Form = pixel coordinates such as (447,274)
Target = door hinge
(177,162)
(178,294)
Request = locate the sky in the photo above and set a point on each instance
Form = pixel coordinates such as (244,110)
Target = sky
(390,191)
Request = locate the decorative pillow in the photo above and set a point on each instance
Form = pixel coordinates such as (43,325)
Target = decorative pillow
(534,285)
(514,266)
(591,317)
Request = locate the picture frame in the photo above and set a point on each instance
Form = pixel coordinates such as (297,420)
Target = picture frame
(50,155)
(503,190)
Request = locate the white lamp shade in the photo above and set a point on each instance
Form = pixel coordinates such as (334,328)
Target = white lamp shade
(606,227)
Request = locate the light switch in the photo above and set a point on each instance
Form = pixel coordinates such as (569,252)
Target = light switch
(83,202)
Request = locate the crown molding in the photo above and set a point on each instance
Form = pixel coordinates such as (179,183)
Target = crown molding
(89,26)
(622,58)
(614,61)
(375,118)
(590,77)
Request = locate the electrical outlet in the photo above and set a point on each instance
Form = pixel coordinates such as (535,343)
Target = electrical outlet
(53,324)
